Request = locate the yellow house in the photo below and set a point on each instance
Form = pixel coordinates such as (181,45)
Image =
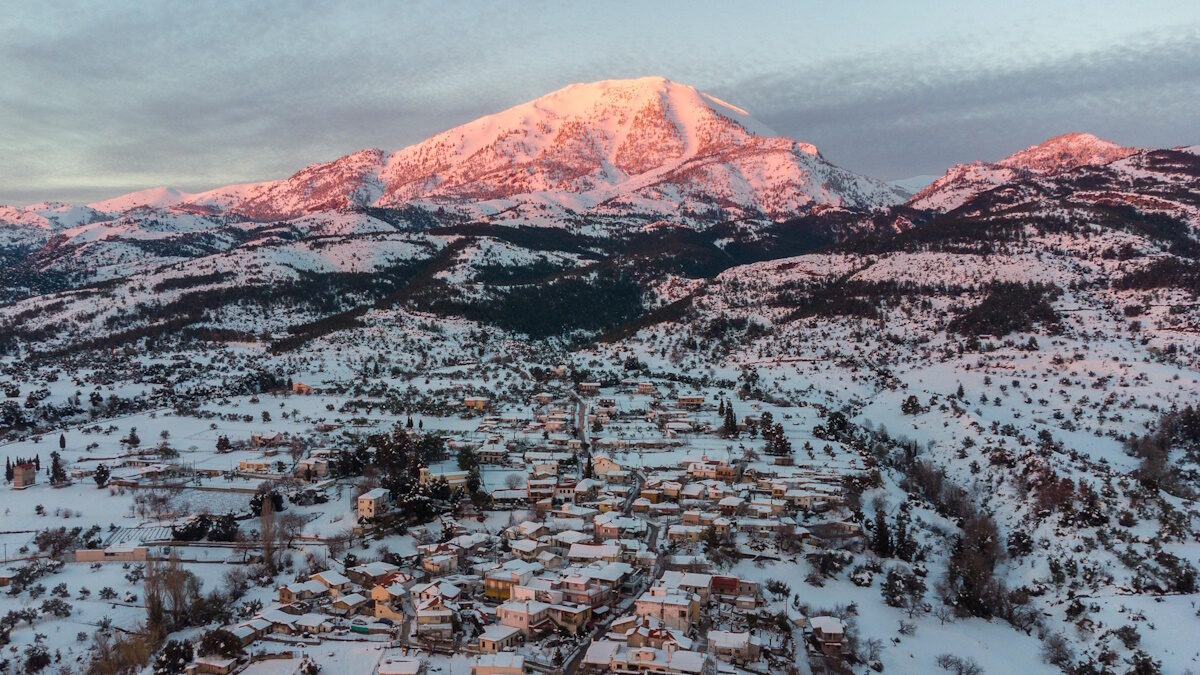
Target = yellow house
(475,402)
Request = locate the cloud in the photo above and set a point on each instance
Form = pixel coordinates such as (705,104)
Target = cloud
(869,117)
(109,97)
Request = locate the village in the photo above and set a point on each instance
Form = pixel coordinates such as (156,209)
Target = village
(618,526)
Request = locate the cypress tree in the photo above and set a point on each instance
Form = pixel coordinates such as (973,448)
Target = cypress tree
(883,539)
(904,545)
(57,475)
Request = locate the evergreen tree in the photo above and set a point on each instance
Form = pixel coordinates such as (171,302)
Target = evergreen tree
(223,444)
(174,658)
(58,476)
(730,420)
(882,544)
(133,440)
(467,460)
(911,406)
(102,475)
(62,442)
(37,462)
(904,545)
(8,470)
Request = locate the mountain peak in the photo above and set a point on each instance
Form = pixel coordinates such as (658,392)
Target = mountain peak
(1066,152)
(646,146)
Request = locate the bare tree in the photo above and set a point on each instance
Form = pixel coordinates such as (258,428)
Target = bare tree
(174,586)
(291,524)
(269,533)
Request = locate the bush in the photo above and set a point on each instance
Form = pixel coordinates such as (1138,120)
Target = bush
(958,665)
(1057,651)
(220,642)
(174,658)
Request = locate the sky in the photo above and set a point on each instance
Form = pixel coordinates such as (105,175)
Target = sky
(98,99)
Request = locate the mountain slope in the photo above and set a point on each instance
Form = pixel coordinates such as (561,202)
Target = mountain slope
(1049,158)
(646,147)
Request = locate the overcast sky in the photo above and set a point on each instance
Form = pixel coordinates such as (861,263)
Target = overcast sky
(104,98)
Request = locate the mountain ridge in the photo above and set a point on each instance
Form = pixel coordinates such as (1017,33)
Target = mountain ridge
(613,147)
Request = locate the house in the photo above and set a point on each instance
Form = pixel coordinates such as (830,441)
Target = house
(689,401)
(301,388)
(528,616)
(609,655)
(335,581)
(492,453)
(302,590)
(734,647)
(273,439)
(373,502)
(129,552)
(212,665)
(437,589)
(584,590)
(571,618)
(642,631)
(685,533)
(402,665)
(434,619)
(313,468)
(349,604)
(371,573)
(24,475)
(503,663)
(255,466)
(689,582)
(313,623)
(528,549)
(499,582)
(829,633)
(646,388)
(613,525)
(742,592)
(588,388)
(717,469)
(475,402)
(675,608)
(249,631)
(602,465)
(441,560)
(499,638)
(608,552)
(389,602)
(453,478)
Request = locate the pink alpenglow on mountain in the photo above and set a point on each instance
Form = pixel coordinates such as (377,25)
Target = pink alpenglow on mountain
(646,147)
(1057,155)
(1066,152)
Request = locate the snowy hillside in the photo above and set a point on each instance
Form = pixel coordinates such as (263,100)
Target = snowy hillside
(1054,156)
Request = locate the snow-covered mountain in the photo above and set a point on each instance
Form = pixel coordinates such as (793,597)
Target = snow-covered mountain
(1066,152)
(646,146)
(1051,157)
